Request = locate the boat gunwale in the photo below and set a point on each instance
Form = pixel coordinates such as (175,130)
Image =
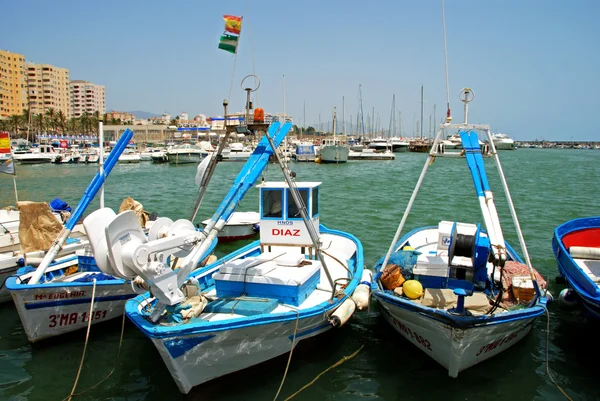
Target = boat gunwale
(562,254)
(153,331)
(442,315)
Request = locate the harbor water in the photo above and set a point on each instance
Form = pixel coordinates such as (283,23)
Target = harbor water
(548,187)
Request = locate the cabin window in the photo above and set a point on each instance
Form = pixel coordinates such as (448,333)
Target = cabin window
(293,211)
(315,201)
(271,203)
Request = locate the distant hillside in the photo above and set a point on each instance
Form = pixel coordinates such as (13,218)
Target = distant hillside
(142,115)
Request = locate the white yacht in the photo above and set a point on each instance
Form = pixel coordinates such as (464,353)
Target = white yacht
(399,145)
(379,144)
(503,142)
(184,153)
(129,156)
(237,152)
(37,155)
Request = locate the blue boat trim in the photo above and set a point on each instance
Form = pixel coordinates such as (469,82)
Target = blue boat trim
(49,304)
(306,332)
(179,347)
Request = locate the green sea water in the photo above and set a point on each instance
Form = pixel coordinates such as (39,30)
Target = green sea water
(548,187)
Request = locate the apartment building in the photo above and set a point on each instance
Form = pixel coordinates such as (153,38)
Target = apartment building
(13,86)
(48,88)
(87,97)
(119,115)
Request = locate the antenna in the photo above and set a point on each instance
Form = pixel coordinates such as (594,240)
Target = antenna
(466,96)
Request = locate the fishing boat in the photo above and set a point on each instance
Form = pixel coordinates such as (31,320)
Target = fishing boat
(241,225)
(259,301)
(66,292)
(457,290)
(304,152)
(576,246)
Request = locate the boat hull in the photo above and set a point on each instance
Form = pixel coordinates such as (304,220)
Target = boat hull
(455,341)
(333,154)
(49,310)
(578,232)
(200,357)
(184,158)
(202,350)
(456,349)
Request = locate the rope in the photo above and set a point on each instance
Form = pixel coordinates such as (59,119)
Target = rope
(547,361)
(87,336)
(344,359)
(290,357)
(251,52)
(115,365)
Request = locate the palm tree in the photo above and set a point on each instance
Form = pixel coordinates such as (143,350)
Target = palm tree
(62,121)
(15,123)
(50,113)
(85,122)
(38,122)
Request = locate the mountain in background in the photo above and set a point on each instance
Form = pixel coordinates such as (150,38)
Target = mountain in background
(142,115)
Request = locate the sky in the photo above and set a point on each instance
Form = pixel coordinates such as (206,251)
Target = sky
(533,65)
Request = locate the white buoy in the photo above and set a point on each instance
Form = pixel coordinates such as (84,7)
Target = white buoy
(567,298)
(342,313)
(360,296)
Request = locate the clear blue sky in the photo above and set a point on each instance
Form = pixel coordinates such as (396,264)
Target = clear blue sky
(533,64)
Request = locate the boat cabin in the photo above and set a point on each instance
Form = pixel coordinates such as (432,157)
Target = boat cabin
(280,219)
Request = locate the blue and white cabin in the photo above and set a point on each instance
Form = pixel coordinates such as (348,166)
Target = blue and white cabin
(281,223)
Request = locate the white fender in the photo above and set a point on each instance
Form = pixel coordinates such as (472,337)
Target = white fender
(360,296)
(342,313)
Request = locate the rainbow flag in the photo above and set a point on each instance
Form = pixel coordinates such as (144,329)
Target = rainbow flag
(229,43)
(233,24)
(7,165)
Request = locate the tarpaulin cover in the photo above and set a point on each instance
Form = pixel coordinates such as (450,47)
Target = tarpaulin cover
(38,227)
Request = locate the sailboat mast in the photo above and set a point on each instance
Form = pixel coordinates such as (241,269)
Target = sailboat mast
(344,116)
(421,130)
(394,113)
(362,116)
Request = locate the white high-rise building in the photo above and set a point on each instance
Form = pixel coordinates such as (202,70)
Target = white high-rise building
(87,97)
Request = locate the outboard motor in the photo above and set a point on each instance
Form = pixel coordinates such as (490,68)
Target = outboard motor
(468,253)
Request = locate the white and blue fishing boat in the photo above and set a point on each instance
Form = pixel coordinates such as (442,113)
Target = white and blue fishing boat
(69,292)
(256,303)
(451,304)
(576,245)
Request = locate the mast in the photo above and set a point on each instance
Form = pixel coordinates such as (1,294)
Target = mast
(373,122)
(362,116)
(304,117)
(344,116)
(421,130)
(394,112)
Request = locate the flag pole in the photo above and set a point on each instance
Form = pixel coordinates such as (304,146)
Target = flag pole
(15,184)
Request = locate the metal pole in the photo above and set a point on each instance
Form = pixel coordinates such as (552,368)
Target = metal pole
(421,130)
(101,158)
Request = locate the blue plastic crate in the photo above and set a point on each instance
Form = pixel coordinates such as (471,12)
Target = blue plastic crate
(87,264)
(288,294)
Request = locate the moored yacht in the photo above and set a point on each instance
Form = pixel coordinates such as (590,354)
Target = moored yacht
(185,153)
(37,155)
(503,142)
